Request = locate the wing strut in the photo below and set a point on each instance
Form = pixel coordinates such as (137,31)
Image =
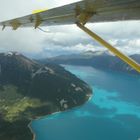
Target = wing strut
(125,58)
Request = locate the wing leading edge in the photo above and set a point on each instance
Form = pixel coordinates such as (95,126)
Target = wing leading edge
(83,11)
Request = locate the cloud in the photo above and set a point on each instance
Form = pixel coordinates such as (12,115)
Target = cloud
(62,39)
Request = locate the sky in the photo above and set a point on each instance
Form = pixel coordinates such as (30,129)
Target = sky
(62,39)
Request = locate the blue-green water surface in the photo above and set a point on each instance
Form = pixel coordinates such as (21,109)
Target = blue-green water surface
(113,113)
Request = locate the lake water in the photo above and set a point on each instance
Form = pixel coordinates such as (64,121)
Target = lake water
(113,113)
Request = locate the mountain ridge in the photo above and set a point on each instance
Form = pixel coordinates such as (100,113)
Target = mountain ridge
(99,59)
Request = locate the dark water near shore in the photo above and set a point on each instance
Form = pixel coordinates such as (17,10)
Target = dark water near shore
(113,113)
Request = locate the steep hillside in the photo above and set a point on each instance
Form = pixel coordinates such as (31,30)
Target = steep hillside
(29,90)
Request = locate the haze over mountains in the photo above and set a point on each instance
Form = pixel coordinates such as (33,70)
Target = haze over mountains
(99,59)
(29,90)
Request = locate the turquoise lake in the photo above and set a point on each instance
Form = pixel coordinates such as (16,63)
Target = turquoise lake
(113,113)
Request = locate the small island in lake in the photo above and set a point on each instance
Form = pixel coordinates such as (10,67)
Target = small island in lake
(29,90)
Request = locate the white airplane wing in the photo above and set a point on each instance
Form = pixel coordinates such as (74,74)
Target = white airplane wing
(83,11)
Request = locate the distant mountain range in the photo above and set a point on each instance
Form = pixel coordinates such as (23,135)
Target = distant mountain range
(29,90)
(99,59)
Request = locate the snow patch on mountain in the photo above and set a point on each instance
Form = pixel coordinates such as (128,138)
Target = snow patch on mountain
(63,103)
(11,54)
(43,70)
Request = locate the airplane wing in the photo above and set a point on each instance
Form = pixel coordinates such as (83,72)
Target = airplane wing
(83,11)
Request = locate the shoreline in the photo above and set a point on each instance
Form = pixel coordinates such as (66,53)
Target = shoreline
(29,125)
(34,135)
